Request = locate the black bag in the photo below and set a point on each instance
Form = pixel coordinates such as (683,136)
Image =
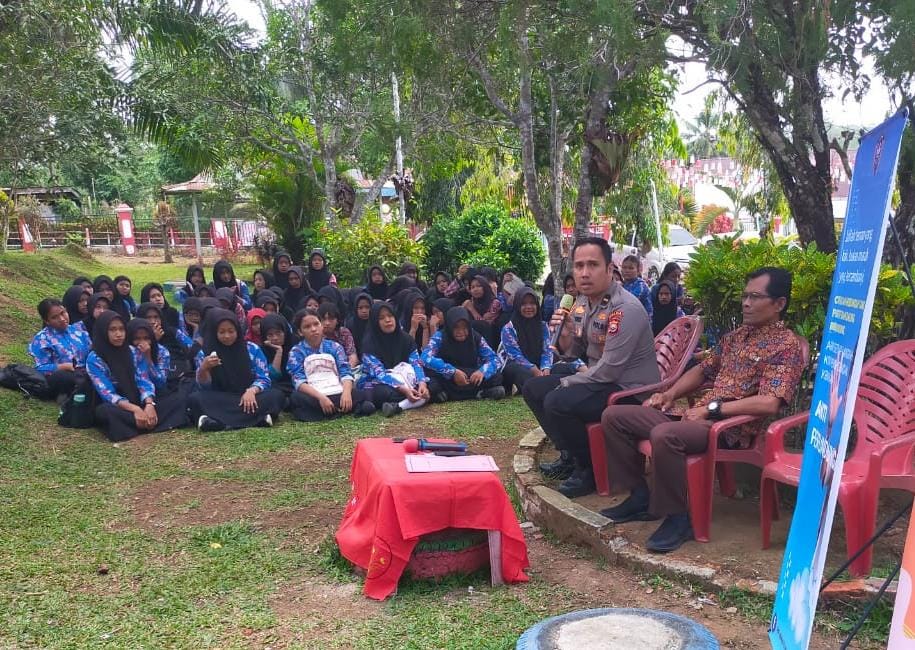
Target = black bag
(17,376)
(78,412)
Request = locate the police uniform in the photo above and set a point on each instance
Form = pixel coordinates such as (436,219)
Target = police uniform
(615,337)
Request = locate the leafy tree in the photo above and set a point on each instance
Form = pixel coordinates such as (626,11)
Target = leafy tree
(703,133)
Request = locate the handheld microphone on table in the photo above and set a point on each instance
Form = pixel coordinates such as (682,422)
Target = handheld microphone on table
(412,445)
(566,303)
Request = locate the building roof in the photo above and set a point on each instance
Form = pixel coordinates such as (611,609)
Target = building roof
(200,183)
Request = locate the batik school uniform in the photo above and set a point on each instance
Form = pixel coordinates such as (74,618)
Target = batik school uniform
(444,356)
(639,288)
(517,365)
(51,347)
(238,287)
(344,337)
(177,362)
(324,369)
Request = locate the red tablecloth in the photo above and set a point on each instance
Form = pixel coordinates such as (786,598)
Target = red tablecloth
(390,508)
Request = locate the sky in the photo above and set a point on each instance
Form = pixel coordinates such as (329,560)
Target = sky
(874,107)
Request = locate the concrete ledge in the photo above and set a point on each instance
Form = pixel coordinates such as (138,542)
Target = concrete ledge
(571,522)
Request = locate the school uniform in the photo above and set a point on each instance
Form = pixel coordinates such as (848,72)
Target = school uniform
(52,347)
(324,368)
(444,356)
(525,344)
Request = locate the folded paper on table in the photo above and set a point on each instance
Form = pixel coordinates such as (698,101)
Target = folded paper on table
(433,463)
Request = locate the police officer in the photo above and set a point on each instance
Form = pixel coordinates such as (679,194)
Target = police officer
(612,330)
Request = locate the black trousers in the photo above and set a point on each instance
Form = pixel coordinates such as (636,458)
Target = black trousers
(439,383)
(306,408)
(225,409)
(564,413)
(381,393)
(514,374)
(118,424)
(65,382)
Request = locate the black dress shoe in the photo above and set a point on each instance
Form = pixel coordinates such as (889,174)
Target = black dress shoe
(670,535)
(559,469)
(579,484)
(634,508)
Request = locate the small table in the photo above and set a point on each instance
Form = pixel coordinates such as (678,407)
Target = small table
(390,508)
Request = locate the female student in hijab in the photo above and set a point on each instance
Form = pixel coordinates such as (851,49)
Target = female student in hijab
(665,308)
(525,348)
(410,270)
(400,284)
(483,304)
(358,320)
(459,362)
(191,317)
(105,286)
(281,263)
(333,294)
(277,344)
(176,343)
(268,301)
(413,317)
(233,379)
(393,375)
(154,292)
(122,288)
(437,319)
(549,298)
(142,337)
(229,300)
(60,349)
(253,331)
(121,377)
(84,282)
(193,278)
(205,291)
(376,283)
(336,332)
(263,279)
(321,375)
(319,276)
(311,301)
(224,276)
(97,304)
(297,290)
(76,302)
(439,287)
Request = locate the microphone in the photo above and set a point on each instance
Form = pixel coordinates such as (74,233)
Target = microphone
(566,303)
(412,445)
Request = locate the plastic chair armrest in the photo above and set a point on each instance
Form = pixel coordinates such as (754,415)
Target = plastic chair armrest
(723,425)
(614,398)
(775,434)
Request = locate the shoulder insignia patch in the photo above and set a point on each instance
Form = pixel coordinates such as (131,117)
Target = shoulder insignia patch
(613,325)
(580,309)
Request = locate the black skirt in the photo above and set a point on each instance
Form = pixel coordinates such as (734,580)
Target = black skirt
(225,407)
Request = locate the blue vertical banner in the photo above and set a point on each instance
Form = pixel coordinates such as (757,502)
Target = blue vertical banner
(851,302)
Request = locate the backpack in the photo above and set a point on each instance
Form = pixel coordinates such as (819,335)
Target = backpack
(78,412)
(17,376)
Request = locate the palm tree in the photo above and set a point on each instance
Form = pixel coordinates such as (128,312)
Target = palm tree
(702,133)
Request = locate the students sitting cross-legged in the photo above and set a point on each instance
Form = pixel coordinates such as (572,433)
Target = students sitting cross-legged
(276,342)
(60,349)
(393,375)
(525,348)
(174,341)
(459,362)
(233,379)
(121,377)
(321,375)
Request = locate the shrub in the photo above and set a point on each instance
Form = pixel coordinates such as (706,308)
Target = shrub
(67,210)
(717,275)
(351,249)
(515,245)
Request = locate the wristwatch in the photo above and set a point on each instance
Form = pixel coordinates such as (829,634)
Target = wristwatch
(714,410)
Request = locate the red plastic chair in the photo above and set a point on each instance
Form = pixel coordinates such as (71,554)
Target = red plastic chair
(882,458)
(673,347)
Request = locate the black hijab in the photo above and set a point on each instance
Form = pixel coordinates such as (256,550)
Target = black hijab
(318,279)
(268,279)
(356,325)
(208,289)
(189,287)
(483,304)
(225,294)
(434,294)
(333,294)
(529,330)
(234,375)
(407,299)
(460,354)
(118,359)
(169,314)
(292,297)
(71,301)
(663,315)
(443,305)
(83,280)
(281,279)
(264,297)
(405,269)
(276,322)
(400,283)
(206,306)
(392,348)
(218,268)
(102,280)
(137,324)
(117,303)
(376,291)
(193,304)
(89,321)
(169,338)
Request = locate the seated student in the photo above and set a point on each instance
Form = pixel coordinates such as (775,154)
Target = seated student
(664,308)
(310,301)
(142,337)
(76,302)
(457,290)
(268,301)
(224,276)
(511,283)
(485,309)
(413,318)
(122,287)
(229,300)
(439,287)
(321,375)
(176,343)
(97,304)
(253,322)
(756,371)
(233,379)
(277,344)
(358,320)
(569,286)
(332,294)
(191,317)
(263,279)
(154,292)
(205,291)
(437,318)
(410,270)
(630,271)
(548,305)
(84,282)
(393,375)
(376,283)
(193,278)
(129,402)
(319,275)
(282,261)
(105,286)
(400,284)
(459,362)
(525,348)
(334,331)
(60,349)
(296,292)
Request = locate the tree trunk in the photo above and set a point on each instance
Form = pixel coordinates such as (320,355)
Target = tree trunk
(330,187)
(165,244)
(595,116)
(368,198)
(904,219)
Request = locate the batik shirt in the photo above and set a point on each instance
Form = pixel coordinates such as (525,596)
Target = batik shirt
(510,350)
(100,374)
(158,372)
(295,365)
(345,338)
(749,361)
(183,338)
(374,371)
(51,348)
(258,365)
(486,358)
(638,288)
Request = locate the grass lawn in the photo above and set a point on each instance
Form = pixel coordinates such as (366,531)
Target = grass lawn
(188,540)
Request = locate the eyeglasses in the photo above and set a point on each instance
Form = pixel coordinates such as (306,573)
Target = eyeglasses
(753,296)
